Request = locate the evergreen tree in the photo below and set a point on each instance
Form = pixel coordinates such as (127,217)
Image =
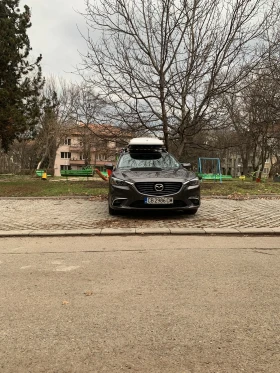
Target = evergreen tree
(20,80)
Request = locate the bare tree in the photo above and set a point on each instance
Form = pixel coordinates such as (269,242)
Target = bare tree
(90,111)
(254,115)
(20,159)
(56,120)
(87,105)
(162,64)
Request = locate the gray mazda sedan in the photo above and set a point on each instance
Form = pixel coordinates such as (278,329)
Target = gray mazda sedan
(147,177)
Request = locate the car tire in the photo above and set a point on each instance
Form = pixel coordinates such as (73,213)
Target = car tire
(191,212)
(112,211)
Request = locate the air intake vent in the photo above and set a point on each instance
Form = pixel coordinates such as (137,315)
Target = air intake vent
(143,205)
(158,188)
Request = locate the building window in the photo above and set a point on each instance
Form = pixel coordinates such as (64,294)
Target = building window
(67,142)
(82,157)
(65,167)
(65,155)
(100,157)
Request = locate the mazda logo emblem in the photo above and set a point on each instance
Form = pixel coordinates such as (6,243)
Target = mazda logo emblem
(159,187)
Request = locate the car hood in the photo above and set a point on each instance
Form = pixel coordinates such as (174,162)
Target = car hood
(180,175)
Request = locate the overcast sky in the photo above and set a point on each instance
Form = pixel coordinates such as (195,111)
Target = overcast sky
(55,35)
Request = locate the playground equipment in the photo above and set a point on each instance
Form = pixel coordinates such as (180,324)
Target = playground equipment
(102,175)
(210,169)
(42,174)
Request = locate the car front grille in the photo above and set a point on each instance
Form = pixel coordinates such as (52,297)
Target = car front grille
(150,188)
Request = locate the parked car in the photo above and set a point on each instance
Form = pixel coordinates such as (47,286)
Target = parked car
(147,177)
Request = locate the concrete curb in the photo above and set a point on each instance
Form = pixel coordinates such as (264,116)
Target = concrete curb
(143,232)
(47,198)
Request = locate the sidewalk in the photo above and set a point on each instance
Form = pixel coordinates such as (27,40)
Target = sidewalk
(76,216)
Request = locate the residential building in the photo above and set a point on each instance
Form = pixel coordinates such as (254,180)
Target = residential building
(89,146)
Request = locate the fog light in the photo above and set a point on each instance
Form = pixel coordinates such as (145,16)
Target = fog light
(195,200)
(118,201)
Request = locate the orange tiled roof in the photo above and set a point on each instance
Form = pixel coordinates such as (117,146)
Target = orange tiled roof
(102,130)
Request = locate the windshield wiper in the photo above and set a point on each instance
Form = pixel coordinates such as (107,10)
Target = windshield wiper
(146,169)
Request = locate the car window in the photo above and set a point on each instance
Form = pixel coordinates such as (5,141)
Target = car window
(148,160)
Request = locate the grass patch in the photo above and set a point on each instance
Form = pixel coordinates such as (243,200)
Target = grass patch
(31,187)
(26,186)
(239,187)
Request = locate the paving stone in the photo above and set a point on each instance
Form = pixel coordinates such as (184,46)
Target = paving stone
(84,214)
(46,232)
(119,231)
(12,233)
(221,231)
(256,230)
(187,231)
(152,231)
(82,232)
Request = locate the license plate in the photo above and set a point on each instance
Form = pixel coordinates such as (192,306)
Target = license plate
(159,200)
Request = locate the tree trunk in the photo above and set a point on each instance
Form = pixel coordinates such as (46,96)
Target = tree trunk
(42,159)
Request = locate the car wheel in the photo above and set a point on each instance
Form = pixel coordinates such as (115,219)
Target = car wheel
(191,212)
(112,211)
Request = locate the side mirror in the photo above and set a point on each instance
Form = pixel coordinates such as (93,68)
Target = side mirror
(109,166)
(187,166)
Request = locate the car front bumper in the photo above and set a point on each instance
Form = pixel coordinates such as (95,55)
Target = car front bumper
(129,198)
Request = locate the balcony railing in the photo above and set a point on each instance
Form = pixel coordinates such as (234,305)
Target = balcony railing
(77,161)
(80,148)
(75,148)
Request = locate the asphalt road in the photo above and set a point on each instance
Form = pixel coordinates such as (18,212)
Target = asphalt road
(140,304)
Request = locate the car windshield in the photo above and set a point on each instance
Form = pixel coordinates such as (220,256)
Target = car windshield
(158,161)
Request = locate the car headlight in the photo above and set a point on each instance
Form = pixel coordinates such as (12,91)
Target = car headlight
(118,182)
(193,182)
